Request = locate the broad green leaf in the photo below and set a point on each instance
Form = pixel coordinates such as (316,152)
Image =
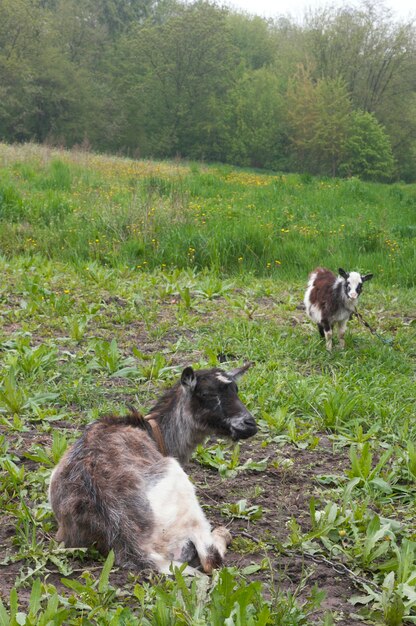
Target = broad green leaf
(35,597)
(382,485)
(105,573)
(4,616)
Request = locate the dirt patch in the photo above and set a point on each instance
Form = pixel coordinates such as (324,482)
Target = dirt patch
(282,494)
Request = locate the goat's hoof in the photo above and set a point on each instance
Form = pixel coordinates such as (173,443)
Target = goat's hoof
(192,571)
(224,533)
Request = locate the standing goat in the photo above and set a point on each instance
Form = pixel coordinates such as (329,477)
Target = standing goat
(331,299)
(121,485)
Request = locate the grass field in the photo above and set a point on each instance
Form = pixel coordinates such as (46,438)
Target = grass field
(115,275)
(146,215)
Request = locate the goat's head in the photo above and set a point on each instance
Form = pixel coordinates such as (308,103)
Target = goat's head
(353,283)
(215,405)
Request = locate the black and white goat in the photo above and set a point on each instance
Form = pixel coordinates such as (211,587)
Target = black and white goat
(121,486)
(331,300)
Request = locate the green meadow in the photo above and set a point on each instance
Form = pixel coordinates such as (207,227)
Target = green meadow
(167,215)
(116,274)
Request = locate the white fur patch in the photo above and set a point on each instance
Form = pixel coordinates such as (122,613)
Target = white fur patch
(177,514)
(354,279)
(315,313)
(306,299)
(238,419)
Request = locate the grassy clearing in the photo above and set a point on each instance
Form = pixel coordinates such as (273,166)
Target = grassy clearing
(79,207)
(85,330)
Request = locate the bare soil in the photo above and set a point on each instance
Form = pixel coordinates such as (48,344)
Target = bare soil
(282,494)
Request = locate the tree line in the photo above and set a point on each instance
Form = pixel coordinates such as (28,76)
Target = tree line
(334,95)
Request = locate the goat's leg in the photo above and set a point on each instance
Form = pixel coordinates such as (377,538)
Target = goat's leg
(211,546)
(222,539)
(341,332)
(179,520)
(165,566)
(212,552)
(328,334)
(321,330)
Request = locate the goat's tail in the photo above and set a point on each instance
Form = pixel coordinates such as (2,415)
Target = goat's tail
(134,418)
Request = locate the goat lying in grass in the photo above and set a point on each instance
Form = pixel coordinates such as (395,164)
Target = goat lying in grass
(331,300)
(121,485)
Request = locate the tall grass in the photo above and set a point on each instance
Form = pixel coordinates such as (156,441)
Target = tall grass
(147,215)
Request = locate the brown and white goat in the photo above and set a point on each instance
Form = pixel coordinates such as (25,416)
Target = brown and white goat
(114,487)
(331,300)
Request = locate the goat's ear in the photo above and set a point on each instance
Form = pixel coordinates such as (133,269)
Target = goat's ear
(188,378)
(367,277)
(239,371)
(343,273)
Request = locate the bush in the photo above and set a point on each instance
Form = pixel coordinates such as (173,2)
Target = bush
(368,152)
